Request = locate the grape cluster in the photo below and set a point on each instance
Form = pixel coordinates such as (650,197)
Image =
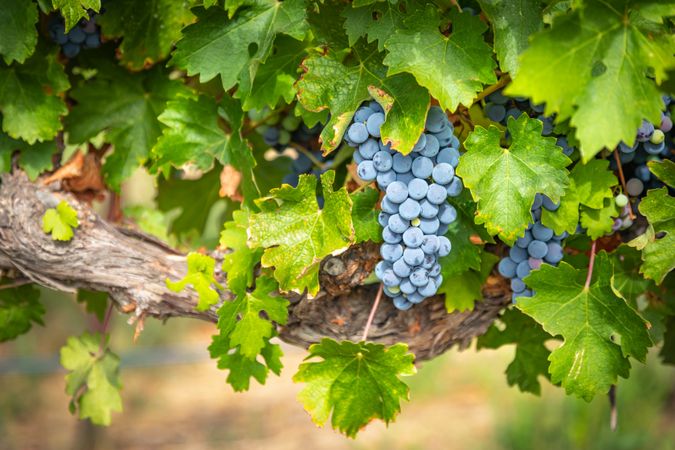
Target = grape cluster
(499,108)
(652,142)
(86,34)
(539,245)
(279,133)
(415,214)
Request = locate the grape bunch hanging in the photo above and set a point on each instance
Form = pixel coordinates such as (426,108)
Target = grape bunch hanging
(415,212)
(86,34)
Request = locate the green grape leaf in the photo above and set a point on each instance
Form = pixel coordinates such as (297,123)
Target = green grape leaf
(598,48)
(364,216)
(512,25)
(354,383)
(377,21)
(626,279)
(240,320)
(658,241)
(504,181)
(591,186)
(17,27)
(20,308)
(242,369)
(531,358)
(95,302)
(126,105)
(246,39)
(326,24)
(33,159)
(664,171)
(599,329)
(598,222)
(201,275)
(60,221)
(240,263)
(276,77)
(463,289)
(74,10)
(340,82)
(29,97)
(194,199)
(452,68)
(94,379)
(148,33)
(296,234)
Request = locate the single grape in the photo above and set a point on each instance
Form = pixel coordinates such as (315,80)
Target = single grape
(517,285)
(634,187)
(70,50)
(366,171)
(429,289)
(443,173)
(420,144)
(535,263)
(435,270)
(495,112)
(422,167)
(380,267)
(645,131)
(448,155)
(444,246)
(401,303)
(409,209)
(383,219)
(413,237)
(621,200)
(401,268)
(390,279)
(77,35)
(415,298)
(541,232)
(537,249)
(518,254)
(374,123)
(390,237)
(391,252)
(362,114)
(507,267)
(523,269)
(401,163)
(382,161)
(417,188)
(428,210)
(436,118)
(397,224)
(419,277)
(430,244)
(406,286)
(554,254)
(657,137)
(397,192)
(429,226)
(384,179)
(447,214)
(388,206)
(432,146)
(92,41)
(524,241)
(357,132)
(548,204)
(369,148)
(413,256)
(436,194)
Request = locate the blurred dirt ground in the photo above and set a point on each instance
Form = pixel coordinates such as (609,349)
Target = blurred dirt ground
(459,401)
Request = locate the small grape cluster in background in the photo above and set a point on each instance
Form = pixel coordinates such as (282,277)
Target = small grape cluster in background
(86,34)
(499,108)
(539,245)
(415,212)
(280,133)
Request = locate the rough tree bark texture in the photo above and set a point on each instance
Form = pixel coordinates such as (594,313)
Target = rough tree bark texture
(132,267)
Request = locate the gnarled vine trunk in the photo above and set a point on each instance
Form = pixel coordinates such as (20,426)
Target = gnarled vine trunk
(132,268)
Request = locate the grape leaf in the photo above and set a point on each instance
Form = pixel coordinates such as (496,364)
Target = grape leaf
(591,186)
(512,24)
(463,289)
(148,33)
(626,279)
(504,181)
(658,241)
(377,21)
(354,383)
(74,10)
(126,105)
(600,47)
(364,216)
(241,321)
(276,77)
(94,379)
(95,302)
(664,171)
(200,274)
(452,68)
(29,97)
(194,198)
(340,84)
(599,329)
(240,263)
(598,222)
(297,235)
(531,358)
(242,369)
(20,308)
(60,221)
(326,24)
(17,27)
(252,30)
(33,159)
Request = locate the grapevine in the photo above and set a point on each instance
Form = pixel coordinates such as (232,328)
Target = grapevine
(375,181)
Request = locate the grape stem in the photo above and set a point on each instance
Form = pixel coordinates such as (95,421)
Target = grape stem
(16,284)
(104,328)
(613,415)
(503,81)
(371,316)
(590,267)
(623,181)
(307,153)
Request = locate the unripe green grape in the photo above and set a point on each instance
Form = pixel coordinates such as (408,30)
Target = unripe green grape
(290,123)
(284,137)
(657,137)
(621,200)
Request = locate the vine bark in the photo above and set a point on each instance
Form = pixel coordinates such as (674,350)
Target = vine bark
(132,268)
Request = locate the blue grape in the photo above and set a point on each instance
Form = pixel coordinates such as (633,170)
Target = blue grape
(397,224)
(429,226)
(384,179)
(495,112)
(388,206)
(401,303)
(405,177)
(422,167)
(524,241)
(435,271)
(537,249)
(420,144)
(383,219)
(455,187)
(447,214)
(362,114)
(518,254)
(542,233)
(436,194)
(380,267)
(444,246)
(369,148)
(419,277)
(397,192)
(366,171)
(391,252)
(412,237)
(448,155)
(428,210)
(413,256)
(70,50)
(554,254)
(406,286)
(374,123)
(401,163)
(435,119)
(357,132)
(409,209)
(517,285)
(390,279)
(432,147)
(382,161)
(390,237)
(415,298)
(430,244)
(507,268)
(401,268)
(523,269)
(443,173)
